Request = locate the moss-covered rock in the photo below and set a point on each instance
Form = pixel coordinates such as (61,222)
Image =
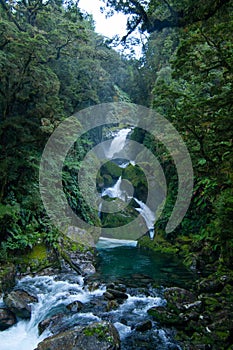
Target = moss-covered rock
(120,217)
(158,244)
(96,336)
(111,169)
(76,256)
(37,259)
(136,176)
(123,220)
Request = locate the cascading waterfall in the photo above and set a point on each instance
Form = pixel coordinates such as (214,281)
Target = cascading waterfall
(115,191)
(55,293)
(144,210)
(118,142)
(148,216)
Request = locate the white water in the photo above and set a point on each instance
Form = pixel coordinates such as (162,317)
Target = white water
(106,243)
(54,295)
(148,216)
(115,191)
(144,210)
(118,143)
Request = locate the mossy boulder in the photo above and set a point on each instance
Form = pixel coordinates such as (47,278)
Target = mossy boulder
(179,299)
(119,217)
(96,336)
(212,284)
(110,169)
(158,244)
(82,239)
(37,259)
(136,176)
(164,317)
(76,256)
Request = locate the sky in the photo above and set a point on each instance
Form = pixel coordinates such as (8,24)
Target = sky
(107,27)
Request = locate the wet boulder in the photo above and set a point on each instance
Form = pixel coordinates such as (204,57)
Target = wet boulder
(75,306)
(182,309)
(143,326)
(7,319)
(115,294)
(179,299)
(96,336)
(19,302)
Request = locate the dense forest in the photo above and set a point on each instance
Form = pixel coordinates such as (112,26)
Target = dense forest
(54,64)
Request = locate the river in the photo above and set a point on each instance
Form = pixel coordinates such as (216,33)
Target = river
(141,271)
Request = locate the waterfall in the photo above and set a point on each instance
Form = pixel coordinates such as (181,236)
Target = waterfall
(118,142)
(115,191)
(144,210)
(148,216)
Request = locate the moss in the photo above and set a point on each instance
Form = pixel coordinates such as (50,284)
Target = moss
(137,178)
(198,339)
(222,335)
(112,169)
(101,331)
(38,252)
(36,258)
(108,180)
(158,244)
(212,304)
(164,317)
(76,244)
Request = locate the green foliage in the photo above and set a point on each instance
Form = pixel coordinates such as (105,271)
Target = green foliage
(223,208)
(52,64)
(193,90)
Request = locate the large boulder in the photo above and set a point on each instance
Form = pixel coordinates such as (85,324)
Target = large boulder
(115,294)
(77,252)
(19,302)
(100,335)
(143,326)
(182,310)
(7,319)
(179,299)
(75,306)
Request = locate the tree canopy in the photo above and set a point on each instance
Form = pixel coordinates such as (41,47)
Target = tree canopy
(53,64)
(155,15)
